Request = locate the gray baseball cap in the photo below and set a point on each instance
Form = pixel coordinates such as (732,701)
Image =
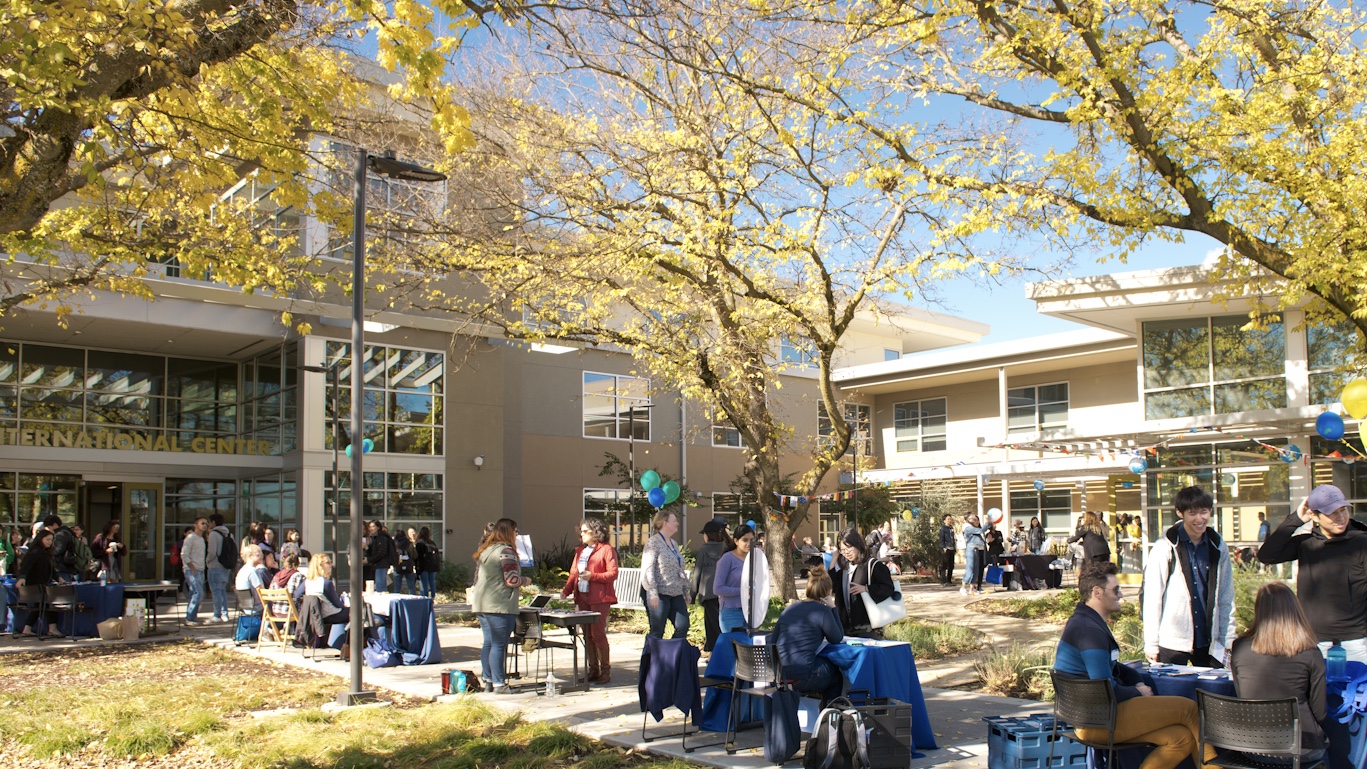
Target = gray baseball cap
(1326,499)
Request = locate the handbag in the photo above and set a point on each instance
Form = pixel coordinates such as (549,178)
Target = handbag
(886,611)
(993,575)
(782,735)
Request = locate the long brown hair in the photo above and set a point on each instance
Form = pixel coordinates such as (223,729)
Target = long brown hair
(1092,522)
(1279,627)
(503,533)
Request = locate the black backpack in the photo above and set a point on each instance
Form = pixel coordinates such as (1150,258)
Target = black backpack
(838,739)
(432,559)
(227,552)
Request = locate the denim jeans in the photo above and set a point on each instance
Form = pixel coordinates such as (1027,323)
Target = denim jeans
(731,619)
(822,678)
(672,608)
(381,575)
(971,566)
(498,630)
(429,584)
(406,582)
(194,585)
(218,585)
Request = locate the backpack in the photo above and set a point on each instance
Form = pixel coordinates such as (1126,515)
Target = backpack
(838,739)
(432,561)
(227,552)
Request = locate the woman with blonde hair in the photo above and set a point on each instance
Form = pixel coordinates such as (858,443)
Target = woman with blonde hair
(664,582)
(1093,535)
(494,598)
(1278,657)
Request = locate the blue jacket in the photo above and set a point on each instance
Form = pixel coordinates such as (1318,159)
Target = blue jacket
(1088,650)
(669,676)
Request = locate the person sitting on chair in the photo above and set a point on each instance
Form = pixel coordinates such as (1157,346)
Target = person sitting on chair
(251,576)
(319,603)
(799,634)
(1088,650)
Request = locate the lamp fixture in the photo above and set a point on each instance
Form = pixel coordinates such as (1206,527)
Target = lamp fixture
(479,462)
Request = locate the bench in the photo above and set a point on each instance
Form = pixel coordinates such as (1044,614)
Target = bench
(628,588)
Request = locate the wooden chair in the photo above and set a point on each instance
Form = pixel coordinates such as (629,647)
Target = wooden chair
(1086,703)
(280,626)
(1252,729)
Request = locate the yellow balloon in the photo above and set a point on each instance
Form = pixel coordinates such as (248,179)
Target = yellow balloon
(906,515)
(1355,398)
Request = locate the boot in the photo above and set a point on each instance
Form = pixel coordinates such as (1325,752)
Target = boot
(604,665)
(591,658)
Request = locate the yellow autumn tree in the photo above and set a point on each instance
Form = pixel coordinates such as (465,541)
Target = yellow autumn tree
(662,210)
(126,120)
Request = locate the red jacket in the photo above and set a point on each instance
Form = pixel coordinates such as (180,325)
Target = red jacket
(602,576)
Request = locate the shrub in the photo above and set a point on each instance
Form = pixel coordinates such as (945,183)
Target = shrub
(453,577)
(933,640)
(1014,673)
(1246,584)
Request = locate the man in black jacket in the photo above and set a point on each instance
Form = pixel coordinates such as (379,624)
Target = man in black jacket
(63,549)
(947,551)
(1331,550)
(380,555)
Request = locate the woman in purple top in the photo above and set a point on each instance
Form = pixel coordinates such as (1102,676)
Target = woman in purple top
(726,584)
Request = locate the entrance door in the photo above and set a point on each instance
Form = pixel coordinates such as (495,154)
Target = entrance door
(142,522)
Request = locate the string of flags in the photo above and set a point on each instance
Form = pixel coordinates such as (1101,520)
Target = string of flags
(793,500)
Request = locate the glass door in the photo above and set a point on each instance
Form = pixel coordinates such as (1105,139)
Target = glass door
(142,523)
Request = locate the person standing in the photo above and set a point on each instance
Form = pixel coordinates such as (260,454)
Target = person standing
(664,582)
(593,583)
(405,564)
(35,568)
(726,581)
(974,546)
(108,550)
(947,551)
(704,572)
(1277,658)
(194,555)
(429,562)
(1035,537)
(222,559)
(856,572)
(1264,528)
(494,598)
(1188,606)
(1086,649)
(1092,533)
(1332,579)
(64,552)
(379,554)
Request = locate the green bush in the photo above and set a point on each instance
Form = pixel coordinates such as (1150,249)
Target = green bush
(453,577)
(1246,584)
(1019,672)
(933,640)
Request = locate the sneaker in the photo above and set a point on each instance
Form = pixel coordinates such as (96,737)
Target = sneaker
(193,623)
(502,689)
(963,591)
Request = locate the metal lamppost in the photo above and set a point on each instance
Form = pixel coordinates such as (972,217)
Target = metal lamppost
(394,169)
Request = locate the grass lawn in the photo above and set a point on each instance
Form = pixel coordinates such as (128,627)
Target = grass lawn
(187,705)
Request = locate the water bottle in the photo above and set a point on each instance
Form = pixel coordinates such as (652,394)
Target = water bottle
(552,685)
(1336,663)
(104,578)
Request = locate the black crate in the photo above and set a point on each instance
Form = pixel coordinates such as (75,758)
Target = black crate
(888,724)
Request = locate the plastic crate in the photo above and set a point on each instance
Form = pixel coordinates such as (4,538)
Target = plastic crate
(888,725)
(1023,743)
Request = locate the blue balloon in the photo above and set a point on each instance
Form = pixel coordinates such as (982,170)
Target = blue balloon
(1138,465)
(1291,453)
(367,446)
(348,450)
(656,496)
(1039,485)
(1329,425)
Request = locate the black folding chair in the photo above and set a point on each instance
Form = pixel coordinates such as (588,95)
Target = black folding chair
(1256,727)
(62,598)
(33,599)
(1086,703)
(758,666)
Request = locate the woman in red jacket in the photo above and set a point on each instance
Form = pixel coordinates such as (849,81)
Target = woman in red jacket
(593,582)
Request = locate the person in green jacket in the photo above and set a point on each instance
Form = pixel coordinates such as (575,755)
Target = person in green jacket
(494,598)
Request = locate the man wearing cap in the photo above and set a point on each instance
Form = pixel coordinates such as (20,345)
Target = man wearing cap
(704,571)
(1331,550)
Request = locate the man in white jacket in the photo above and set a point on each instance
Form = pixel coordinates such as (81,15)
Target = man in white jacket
(1188,606)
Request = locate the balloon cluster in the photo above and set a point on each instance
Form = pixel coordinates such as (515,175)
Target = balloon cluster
(1330,425)
(658,494)
(367,446)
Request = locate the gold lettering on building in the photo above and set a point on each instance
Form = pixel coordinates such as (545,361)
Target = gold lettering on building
(120,440)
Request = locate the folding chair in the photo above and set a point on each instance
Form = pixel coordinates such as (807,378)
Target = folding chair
(33,599)
(62,598)
(1086,703)
(277,624)
(1257,727)
(758,666)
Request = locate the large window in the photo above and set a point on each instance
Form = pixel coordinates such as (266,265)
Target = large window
(1244,478)
(273,223)
(1053,507)
(796,351)
(1213,366)
(402,404)
(724,434)
(612,506)
(1038,407)
(920,425)
(616,406)
(860,419)
(270,398)
(1329,346)
(401,500)
(188,499)
(735,508)
(29,497)
(1351,478)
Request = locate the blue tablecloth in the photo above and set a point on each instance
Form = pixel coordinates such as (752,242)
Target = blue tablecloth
(1347,741)
(884,671)
(412,629)
(102,602)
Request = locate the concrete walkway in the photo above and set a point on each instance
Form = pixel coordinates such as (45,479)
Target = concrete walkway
(611,713)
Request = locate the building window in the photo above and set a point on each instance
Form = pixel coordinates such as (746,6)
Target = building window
(616,406)
(273,223)
(270,398)
(1213,366)
(796,351)
(401,501)
(26,498)
(1350,478)
(734,508)
(188,499)
(1035,408)
(613,506)
(860,419)
(891,354)
(1053,507)
(920,425)
(1329,346)
(402,405)
(725,435)
(1244,478)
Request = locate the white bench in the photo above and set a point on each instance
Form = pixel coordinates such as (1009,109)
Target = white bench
(628,587)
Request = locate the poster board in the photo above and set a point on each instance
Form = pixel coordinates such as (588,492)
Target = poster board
(524,551)
(754,592)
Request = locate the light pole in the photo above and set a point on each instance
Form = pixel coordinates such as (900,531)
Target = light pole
(394,169)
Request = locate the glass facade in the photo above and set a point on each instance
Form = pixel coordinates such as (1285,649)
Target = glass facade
(1349,475)
(1328,347)
(615,406)
(1244,478)
(860,419)
(402,404)
(1035,408)
(1220,365)
(29,497)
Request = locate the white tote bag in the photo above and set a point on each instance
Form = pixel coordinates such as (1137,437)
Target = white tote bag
(884,612)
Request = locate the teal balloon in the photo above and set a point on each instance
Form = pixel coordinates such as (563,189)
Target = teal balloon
(656,497)
(367,446)
(348,450)
(1039,485)
(650,480)
(671,490)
